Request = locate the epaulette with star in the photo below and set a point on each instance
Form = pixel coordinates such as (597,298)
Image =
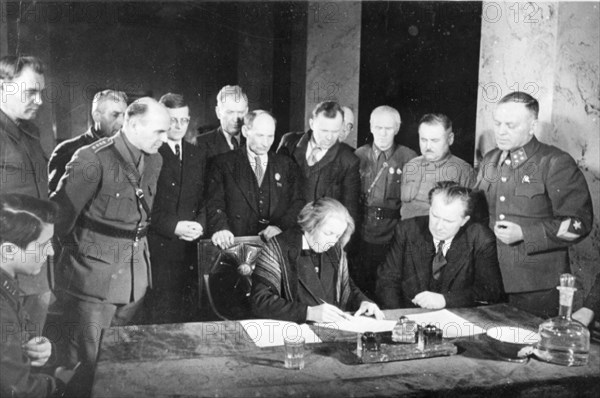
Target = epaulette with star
(101,144)
(570,229)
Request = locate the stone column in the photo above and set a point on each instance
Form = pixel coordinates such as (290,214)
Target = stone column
(333,55)
(552,51)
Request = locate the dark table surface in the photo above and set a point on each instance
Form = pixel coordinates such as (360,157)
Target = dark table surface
(219,359)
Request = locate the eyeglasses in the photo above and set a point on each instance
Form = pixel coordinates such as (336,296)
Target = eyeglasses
(181,121)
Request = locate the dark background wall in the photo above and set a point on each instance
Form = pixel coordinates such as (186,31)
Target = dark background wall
(421,57)
(152,48)
(416,56)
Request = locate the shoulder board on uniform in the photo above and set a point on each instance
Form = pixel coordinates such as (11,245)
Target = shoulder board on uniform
(101,144)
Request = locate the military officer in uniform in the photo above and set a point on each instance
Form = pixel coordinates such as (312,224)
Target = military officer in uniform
(381,166)
(539,205)
(436,163)
(105,197)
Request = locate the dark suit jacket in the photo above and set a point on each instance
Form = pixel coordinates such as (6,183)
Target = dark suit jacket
(214,143)
(336,175)
(299,285)
(63,153)
(232,193)
(23,166)
(179,197)
(471,276)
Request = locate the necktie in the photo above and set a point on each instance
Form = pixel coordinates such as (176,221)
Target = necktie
(258,170)
(234,142)
(178,152)
(140,165)
(439,261)
(312,158)
(380,160)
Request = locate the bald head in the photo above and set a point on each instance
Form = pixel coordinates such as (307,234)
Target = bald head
(146,124)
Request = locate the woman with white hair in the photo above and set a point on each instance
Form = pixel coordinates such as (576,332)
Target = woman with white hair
(302,274)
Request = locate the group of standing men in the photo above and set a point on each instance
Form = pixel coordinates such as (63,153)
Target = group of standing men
(131,189)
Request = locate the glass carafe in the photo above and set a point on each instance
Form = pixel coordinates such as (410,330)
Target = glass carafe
(562,340)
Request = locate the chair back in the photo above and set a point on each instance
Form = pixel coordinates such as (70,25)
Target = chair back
(227,277)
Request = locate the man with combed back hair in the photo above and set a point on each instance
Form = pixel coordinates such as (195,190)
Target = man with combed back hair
(232,106)
(329,169)
(106,197)
(443,259)
(178,220)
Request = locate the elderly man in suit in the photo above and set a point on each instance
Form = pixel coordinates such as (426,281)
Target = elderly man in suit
(23,162)
(178,219)
(329,169)
(441,260)
(252,191)
(106,197)
(539,205)
(108,110)
(232,106)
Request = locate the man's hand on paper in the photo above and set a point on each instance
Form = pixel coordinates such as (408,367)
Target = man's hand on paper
(369,309)
(326,313)
(430,300)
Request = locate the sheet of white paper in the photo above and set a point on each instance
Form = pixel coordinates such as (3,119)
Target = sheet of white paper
(270,332)
(451,324)
(360,324)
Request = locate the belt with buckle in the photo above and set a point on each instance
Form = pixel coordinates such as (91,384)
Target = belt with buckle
(380,213)
(115,232)
(264,221)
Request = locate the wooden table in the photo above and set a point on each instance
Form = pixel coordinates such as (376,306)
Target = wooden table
(219,359)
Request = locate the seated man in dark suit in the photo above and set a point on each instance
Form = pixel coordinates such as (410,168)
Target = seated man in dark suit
(302,274)
(329,169)
(108,110)
(232,106)
(441,260)
(252,191)
(178,219)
